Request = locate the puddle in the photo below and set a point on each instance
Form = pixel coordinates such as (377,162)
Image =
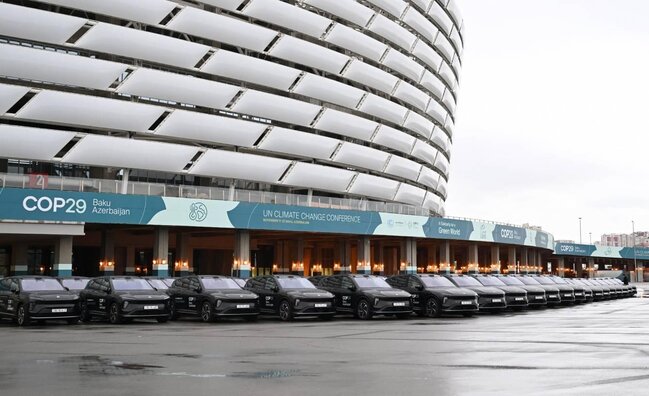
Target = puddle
(97,365)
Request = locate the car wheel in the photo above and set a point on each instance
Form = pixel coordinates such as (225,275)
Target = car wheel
(85,312)
(22,316)
(206,312)
(432,309)
(114,315)
(363,310)
(285,311)
(173,314)
(163,319)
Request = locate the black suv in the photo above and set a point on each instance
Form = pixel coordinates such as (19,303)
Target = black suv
(552,292)
(291,295)
(27,298)
(581,295)
(433,295)
(120,298)
(489,298)
(536,295)
(515,296)
(566,292)
(366,296)
(210,297)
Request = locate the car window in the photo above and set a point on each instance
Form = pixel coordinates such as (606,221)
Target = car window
(465,281)
(219,283)
(125,284)
(295,283)
(74,284)
(5,285)
(490,281)
(269,284)
(41,284)
(344,282)
(508,280)
(158,284)
(436,281)
(370,282)
(413,282)
(194,283)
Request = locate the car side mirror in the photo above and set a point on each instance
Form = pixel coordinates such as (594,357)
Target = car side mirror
(198,289)
(14,289)
(109,290)
(419,287)
(274,289)
(351,288)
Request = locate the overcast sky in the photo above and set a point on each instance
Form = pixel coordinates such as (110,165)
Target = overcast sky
(552,116)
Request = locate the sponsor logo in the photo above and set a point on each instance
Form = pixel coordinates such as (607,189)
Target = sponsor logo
(54,204)
(197,211)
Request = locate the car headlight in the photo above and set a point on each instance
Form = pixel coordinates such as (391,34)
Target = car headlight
(125,304)
(297,302)
(218,303)
(444,300)
(376,301)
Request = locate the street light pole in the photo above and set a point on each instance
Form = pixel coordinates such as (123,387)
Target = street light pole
(580,230)
(635,257)
(590,238)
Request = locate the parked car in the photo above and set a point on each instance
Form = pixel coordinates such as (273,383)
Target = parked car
(536,295)
(622,289)
(290,296)
(578,290)
(240,282)
(366,296)
(515,296)
(631,289)
(615,291)
(210,297)
(489,298)
(606,290)
(74,283)
(552,292)
(123,298)
(434,295)
(593,293)
(28,298)
(159,283)
(566,292)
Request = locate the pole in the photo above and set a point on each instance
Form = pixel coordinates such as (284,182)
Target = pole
(590,238)
(580,230)
(635,257)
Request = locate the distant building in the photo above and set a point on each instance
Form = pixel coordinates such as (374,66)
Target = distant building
(626,240)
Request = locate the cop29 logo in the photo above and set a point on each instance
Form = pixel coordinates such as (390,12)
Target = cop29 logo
(197,211)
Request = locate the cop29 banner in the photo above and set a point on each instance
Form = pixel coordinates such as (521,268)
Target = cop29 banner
(52,205)
(575,249)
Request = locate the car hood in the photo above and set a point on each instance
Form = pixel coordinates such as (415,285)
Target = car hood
(386,292)
(63,295)
(309,293)
(565,288)
(485,290)
(532,289)
(452,291)
(141,295)
(232,294)
(549,288)
(511,289)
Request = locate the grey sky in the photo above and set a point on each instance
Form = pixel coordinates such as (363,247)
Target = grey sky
(552,115)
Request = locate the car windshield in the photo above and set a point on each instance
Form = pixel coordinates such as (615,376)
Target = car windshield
(559,280)
(490,281)
(219,283)
(295,283)
(436,281)
(240,282)
(511,281)
(465,281)
(158,284)
(125,284)
(168,281)
(528,281)
(75,284)
(41,284)
(544,281)
(370,282)
(617,281)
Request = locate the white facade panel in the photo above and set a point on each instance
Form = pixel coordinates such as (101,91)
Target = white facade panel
(442,164)
(130,153)
(371,76)
(425,152)
(411,94)
(289,16)
(246,68)
(222,28)
(449,101)
(395,60)
(424,52)
(374,186)
(433,84)
(456,40)
(233,165)
(32,24)
(392,7)
(353,40)
(274,107)
(447,75)
(423,4)
(421,24)
(9,95)
(454,10)
(440,138)
(347,9)
(365,157)
(329,90)
(139,44)
(147,11)
(442,187)
(178,88)
(231,5)
(319,177)
(346,124)
(296,50)
(74,109)
(436,111)
(443,20)
(432,202)
(410,194)
(28,63)
(445,47)
(32,143)
(428,177)
(419,124)
(209,128)
(302,144)
(394,139)
(383,108)
(392,32)
(403,167)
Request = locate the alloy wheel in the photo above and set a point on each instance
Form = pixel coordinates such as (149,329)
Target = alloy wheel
(206,312)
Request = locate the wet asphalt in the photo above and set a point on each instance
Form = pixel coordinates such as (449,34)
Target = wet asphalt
(594,349)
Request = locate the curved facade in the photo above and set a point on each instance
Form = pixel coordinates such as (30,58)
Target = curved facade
(337,98)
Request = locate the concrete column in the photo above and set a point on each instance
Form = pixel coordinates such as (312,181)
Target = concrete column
(591,267)
(511,260)
(241,267)
(130,260)
(184,264)
(408,259)
(495,259)
(19,259)
(364,265)
(63,257)
(161,252)
(532,261)
(639,271)
(524,263)
(125,175)
(539,261)
(445,257)
(474,263)
(298,267)
(561,266)
(107,253)
(4,165)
